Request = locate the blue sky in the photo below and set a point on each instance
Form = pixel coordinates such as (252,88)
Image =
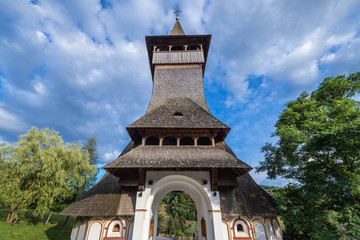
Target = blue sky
(81,67)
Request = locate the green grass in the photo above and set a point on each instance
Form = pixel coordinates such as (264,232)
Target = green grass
(26,230)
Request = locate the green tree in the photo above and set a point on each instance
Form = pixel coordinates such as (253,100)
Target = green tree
(172,226)
(174,211)
(318,149)
(91,147)
(41,170)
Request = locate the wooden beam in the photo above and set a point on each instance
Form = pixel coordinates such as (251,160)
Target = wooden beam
(214,179)
(237,172)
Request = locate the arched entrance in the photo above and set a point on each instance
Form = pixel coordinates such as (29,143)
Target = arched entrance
(196,184)
(177,216)
(188,185)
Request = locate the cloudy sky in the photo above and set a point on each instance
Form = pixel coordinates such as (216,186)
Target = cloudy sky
(81,67)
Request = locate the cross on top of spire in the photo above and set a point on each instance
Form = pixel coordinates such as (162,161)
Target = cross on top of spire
(177,12)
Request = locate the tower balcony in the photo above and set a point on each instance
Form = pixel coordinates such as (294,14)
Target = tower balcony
(178,57)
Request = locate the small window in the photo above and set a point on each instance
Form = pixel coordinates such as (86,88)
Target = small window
(116,228)
(187,141)
(239,228)
(170,141)
(204,141)
(178,114)
(152,141)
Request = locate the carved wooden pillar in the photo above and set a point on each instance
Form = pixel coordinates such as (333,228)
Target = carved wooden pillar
(213,141)
(143,141)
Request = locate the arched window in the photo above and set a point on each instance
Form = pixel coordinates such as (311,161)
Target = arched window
(204,141)
(116,228)
(187,141)
(239,228)
(152,141)
(170,141)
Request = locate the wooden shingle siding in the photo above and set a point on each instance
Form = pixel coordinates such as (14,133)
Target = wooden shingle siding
(247,199)
(175,57)
(177,157)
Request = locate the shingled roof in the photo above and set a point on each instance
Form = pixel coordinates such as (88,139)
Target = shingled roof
(247,199)
(177,157)
(178,113)
(106,198)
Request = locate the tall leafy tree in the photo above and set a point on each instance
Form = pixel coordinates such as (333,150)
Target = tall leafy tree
(91,147)
(318,149)
(41,170)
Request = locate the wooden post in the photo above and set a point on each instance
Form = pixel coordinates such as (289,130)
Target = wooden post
(213,141)
(143,141)
(214,179)
(141,173)
(203,228)
(195,141)
(151,232)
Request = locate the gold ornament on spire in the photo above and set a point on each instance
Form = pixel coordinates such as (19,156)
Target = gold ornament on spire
(177,12)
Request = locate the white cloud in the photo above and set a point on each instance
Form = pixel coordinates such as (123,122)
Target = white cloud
(10,122)
(282,40)
(78,68)
(110,156)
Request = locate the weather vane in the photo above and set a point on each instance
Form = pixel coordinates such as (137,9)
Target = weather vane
(177,14)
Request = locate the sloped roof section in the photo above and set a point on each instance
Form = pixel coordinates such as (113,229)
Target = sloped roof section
(247,199)
(178,113)
(177,29)
(177,157)
(106,198)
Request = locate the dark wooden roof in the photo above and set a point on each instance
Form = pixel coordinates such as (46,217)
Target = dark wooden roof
(156,157)
(106,198)
(247,199)
(176,40)
(179,113)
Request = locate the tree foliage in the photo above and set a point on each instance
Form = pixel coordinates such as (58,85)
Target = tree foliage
(41,171)
(318,148)
(176,208)
(91,147)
